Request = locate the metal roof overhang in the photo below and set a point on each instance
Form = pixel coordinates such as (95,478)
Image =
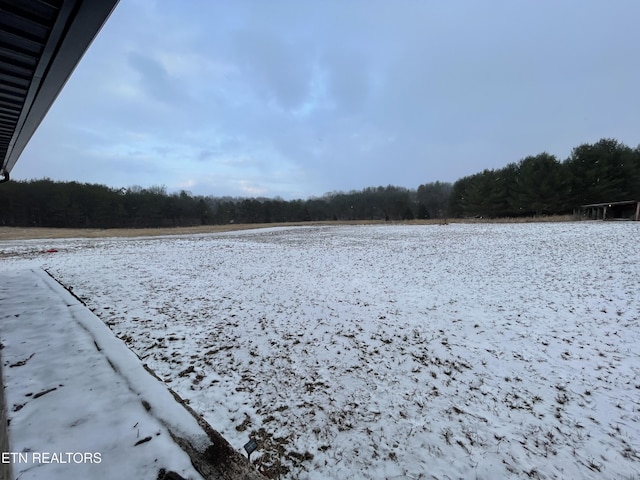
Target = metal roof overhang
(610,204)
(41,42)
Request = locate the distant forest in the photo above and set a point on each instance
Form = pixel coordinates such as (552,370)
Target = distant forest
(605,171)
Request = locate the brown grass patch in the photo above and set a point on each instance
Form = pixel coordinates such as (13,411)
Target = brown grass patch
(26,233)
(443,221)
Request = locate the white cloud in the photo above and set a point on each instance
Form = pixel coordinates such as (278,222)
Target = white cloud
(272,93)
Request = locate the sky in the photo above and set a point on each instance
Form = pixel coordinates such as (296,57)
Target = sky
(294,99)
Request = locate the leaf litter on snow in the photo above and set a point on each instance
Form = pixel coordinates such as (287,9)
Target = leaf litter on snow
(472,351)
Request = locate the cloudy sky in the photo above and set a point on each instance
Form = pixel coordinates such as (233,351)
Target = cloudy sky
(299,98)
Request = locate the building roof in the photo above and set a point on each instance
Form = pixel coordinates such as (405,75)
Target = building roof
(610,204)
(41,42)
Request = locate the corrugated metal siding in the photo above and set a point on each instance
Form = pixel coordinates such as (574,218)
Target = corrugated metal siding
(25,27)
(41,42)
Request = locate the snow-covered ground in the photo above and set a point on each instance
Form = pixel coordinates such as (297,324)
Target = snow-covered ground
(460,351)
(79,403)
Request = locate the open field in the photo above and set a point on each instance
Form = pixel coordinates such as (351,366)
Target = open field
(24,233)
(386,351)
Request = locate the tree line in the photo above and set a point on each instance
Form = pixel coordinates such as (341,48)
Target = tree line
(537,185)
(46,203)
(605,171)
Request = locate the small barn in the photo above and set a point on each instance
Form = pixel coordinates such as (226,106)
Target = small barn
(629,210)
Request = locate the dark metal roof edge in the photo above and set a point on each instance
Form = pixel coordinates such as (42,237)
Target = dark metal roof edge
(75,29)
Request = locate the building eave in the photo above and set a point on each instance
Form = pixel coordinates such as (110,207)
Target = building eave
(41,42)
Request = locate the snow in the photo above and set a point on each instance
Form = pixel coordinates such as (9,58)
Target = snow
(74,392)
(458,351)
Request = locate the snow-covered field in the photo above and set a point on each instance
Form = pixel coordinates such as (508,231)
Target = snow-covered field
(460,351)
